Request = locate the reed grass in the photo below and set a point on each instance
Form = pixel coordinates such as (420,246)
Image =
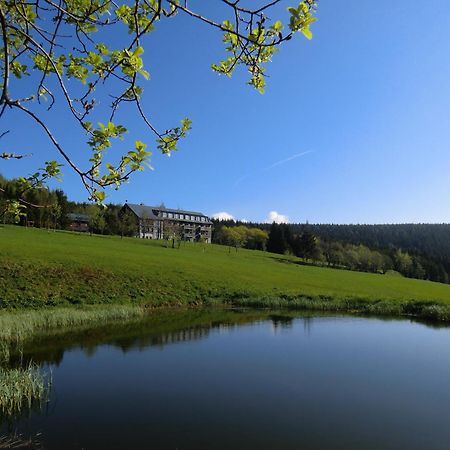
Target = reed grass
(17,326)
(22,388)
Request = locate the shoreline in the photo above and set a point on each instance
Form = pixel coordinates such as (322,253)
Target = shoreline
(20,324)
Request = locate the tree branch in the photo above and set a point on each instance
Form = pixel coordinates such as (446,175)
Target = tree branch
(5,155)
(226,30)
(4,97)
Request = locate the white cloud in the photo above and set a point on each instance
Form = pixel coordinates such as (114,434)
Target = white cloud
(244,220)
(277,218)
(223,216)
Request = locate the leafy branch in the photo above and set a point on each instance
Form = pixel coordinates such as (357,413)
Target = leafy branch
(55,41)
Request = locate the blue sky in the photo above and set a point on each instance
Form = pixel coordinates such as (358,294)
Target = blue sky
(354,126)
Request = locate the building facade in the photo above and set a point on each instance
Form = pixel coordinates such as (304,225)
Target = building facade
(157,222)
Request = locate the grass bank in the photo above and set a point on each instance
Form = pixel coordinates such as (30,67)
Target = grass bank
(40,269)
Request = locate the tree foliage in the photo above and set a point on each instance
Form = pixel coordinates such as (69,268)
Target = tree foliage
(83,52)
(242,236)
(279,238)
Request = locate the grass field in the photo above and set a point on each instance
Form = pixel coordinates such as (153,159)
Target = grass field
(46,268)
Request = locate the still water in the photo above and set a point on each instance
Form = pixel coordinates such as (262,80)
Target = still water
(247,381)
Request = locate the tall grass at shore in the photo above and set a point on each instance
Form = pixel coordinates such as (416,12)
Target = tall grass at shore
(16,326)
(414,308)
(21,388)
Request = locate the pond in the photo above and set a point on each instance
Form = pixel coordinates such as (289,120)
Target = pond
(245,380)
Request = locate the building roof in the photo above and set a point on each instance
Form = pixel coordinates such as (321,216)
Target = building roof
(150,212)
(142,211)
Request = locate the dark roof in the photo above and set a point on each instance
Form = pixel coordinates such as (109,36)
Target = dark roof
(142,211)
(76,217)
(148,212)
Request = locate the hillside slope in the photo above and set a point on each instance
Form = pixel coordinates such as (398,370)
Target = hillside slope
(39,268)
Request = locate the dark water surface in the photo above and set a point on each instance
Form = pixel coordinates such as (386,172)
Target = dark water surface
(247,381)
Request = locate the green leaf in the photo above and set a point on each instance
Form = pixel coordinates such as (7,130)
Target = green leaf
(144,73)
(99,196)
(307,33)
(293,11)
(138,51)
(140,146)
(277,26)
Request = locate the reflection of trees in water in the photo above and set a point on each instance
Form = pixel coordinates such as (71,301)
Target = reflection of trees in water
(170,330)
(162,339)
(127,337)
(307,325)
(281,322)
(173,337)
(140,335)
(22,359)
(54,352)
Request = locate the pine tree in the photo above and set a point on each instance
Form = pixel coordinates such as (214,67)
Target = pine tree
(277,241)
(305,245)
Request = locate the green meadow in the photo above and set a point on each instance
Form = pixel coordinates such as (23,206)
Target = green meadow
(45,268)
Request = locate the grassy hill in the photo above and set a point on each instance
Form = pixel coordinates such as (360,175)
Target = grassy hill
(43,268)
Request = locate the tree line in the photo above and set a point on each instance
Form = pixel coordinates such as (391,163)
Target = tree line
(428,245)
(45,208)
(416,251)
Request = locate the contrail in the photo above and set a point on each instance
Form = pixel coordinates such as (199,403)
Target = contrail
(282,161)
(275,164)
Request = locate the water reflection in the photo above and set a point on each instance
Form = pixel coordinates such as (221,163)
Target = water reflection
(157,330)
(280,321)
(166,328)
(246,379)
